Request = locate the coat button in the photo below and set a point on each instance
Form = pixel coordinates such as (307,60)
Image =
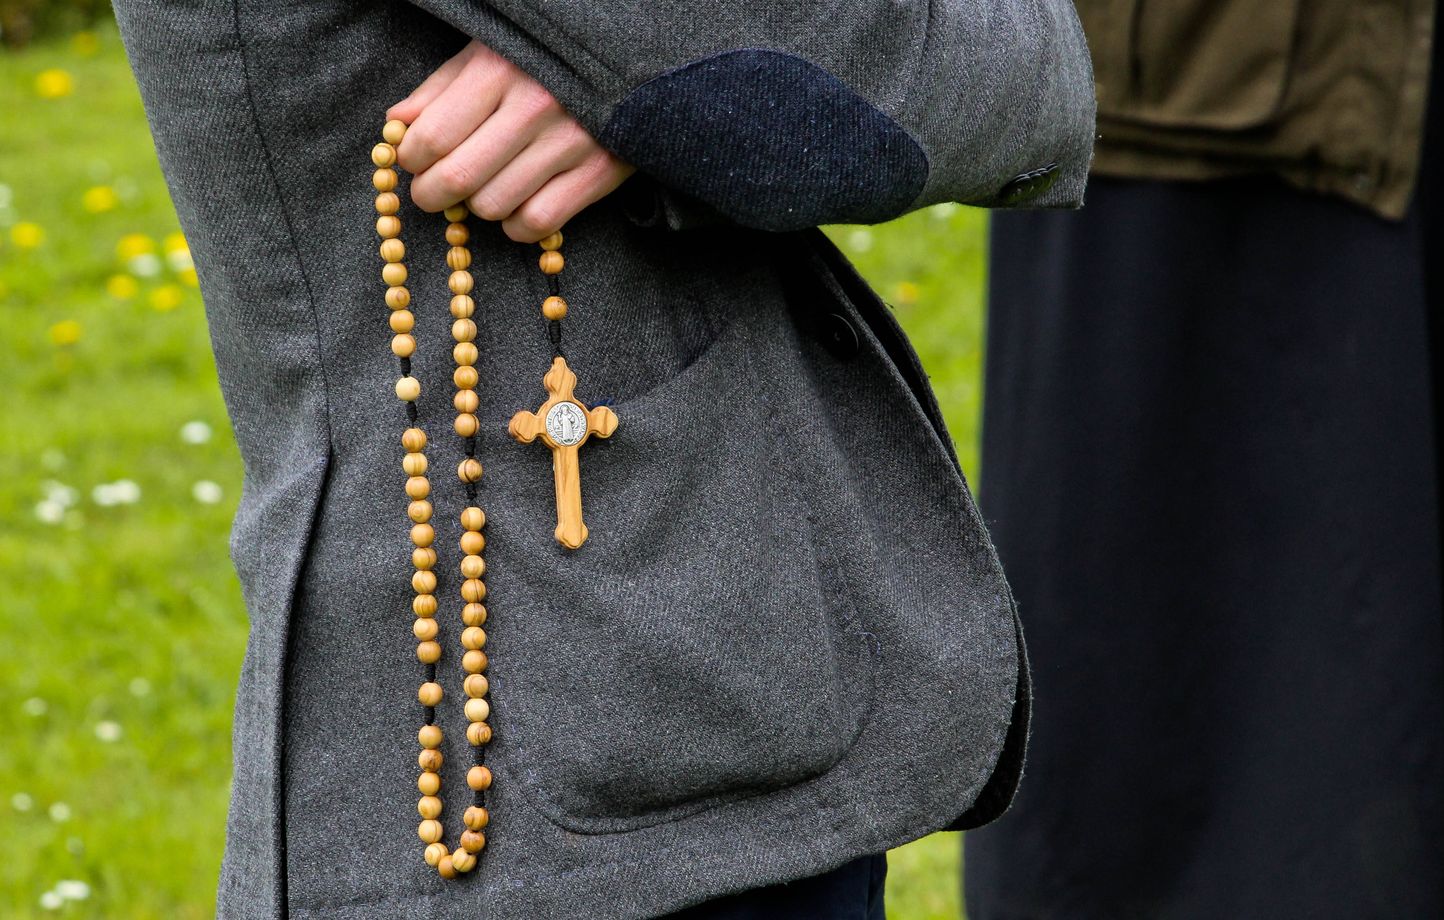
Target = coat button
(840,336)
(1028,185)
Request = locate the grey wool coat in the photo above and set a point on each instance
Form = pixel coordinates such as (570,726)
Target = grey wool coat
(787,642)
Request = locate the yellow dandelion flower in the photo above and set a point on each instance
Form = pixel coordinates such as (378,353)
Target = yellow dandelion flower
(189,278)
(122,287)
(132,245)
(27,235)
(167,297)
(98,199)
(85,43)
(906,292)
(175,242)
(65,332)
(54,83)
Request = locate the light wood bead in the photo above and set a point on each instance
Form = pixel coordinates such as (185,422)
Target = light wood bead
(473,615)
(463,861)
(430,693)
(429,736)
(475,818)
(414,463)
(478,778)
(423,557)
(464,353)
(428,783)
(393,250)
(553,307)
(462,305)
(463,330)
(456,213)
(551,262)
(552,242)
(420,513)
(398,298)
(473,566)
(458,258)
(466,400)
(473,841)
(384,179)
(473,518)
(428,652)
(424,628)
(423,534)
(393,131)
(408,389)
(434,852)
(473,637)
(423,582)
(472,542)
(418,487)
(466,425)
(394,273)
(478,733)
(473,590)
(402,320)
(414,440)
(430,760)
(478,710)
(388,226)
(403,345)
(424,605)
(445,868)
(469,470)
(457,234)
(429,830)
(429,806)
(460,282)
(474,661)
(476,685)
(383,155)
(465,377)
(388,203)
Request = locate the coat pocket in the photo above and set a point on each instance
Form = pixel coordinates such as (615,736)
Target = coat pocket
(1193,64)
(695,650)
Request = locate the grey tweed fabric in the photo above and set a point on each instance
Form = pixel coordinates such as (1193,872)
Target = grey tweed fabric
(788,642)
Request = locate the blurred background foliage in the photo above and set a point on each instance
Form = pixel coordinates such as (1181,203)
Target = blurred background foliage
(24,21)
(121,622)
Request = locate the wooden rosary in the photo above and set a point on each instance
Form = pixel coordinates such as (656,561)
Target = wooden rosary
(562,423)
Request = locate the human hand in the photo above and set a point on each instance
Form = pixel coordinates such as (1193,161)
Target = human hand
(484,132)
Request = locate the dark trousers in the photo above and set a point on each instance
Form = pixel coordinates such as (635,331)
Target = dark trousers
(853,891)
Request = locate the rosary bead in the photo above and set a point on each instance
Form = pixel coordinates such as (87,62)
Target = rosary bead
(551,262)
(473,841)
(429,783)
(552,242)
(424,628)
(466,400)
(464,353)
(460,282)
(458,258)
(388,226)
(423,557)
(473,637)
(445,868)
(429,736)
(429,806)
(403,345)
(476,685)
(418,487)
(473,567)
(473,615)
(429,830)
(466,425)
(474,661)
(463,861)
(388,203)
(478,733)
(383,155)
(384,179)
(473,590)
(456,213)
(424,605)
(457,234)
(429,693)
(553,307)
(402,320)
(393,131)
(393,250)
(473,518)
(428,652)
(463,330)
(479,779)
(472,542)
(422,534)
(434,852)
(408,389)
(475,818)
(398,298)
(430,760)
(420,513)
(414,463)
(469,470)
(465,377)
(423,582)
(477,709)
(462,306)
(393,273)
(413,439)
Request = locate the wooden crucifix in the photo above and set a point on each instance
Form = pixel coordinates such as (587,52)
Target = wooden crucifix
(563,423)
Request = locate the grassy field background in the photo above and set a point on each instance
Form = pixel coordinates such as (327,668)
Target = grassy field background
(121,622)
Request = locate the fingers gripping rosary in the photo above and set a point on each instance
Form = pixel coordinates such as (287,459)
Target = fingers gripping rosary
(562,423)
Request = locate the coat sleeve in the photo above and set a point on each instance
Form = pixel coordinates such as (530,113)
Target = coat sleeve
(789,114)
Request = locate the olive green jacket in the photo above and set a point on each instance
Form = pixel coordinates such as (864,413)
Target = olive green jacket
(1329,94)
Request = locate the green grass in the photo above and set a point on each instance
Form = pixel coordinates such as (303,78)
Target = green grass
(121,623)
